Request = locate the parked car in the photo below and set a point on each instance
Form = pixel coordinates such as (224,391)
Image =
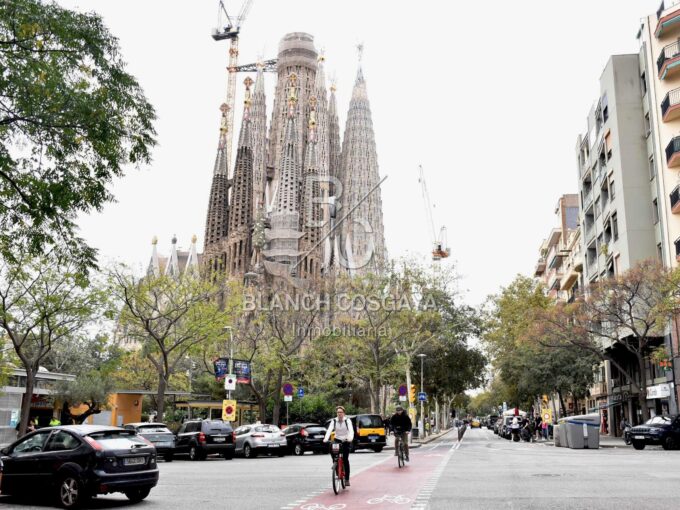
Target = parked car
(305,437)
(491,421)
(497,424)
(158,434)
(76,462)
(259,438)
(661,430)
(200,438)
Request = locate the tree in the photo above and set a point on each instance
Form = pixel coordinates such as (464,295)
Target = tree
(44,301)
(90,390)
(171,319)
(628,313)
(71,118)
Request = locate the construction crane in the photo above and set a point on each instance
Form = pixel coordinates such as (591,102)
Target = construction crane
(440,249)
(228,28)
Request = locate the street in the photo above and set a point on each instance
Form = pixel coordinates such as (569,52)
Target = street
(482,471)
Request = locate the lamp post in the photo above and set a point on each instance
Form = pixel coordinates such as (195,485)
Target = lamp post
(422,389)
(231,353)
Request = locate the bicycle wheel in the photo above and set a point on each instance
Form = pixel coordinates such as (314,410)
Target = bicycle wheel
(400,455)
(335,481)
(341,471)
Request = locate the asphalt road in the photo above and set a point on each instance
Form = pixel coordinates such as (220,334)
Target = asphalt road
(483,471)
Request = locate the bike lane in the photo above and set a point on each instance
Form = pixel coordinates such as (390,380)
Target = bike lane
(382,485)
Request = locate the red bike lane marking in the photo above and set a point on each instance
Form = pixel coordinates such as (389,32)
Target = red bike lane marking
(384,485)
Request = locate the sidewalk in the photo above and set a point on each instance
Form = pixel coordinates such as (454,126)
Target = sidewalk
(605,442)
(416,443)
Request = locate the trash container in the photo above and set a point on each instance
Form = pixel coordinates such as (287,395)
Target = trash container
(414,433)
(560,435)
(583,431)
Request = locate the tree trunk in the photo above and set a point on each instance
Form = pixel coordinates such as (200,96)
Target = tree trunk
(562,406)
(80,418)
(384,401)
(374,395)
(642,392)
(160,396)
(277,397)
(26,401)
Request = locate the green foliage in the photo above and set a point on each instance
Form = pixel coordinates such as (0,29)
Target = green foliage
(91,390)
(71,118)
(313,409)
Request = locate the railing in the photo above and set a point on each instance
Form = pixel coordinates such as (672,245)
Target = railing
(669,52)
(672,148)
(587,198)
(671,99)
(675,196)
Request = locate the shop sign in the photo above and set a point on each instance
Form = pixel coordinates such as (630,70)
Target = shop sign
(658,391)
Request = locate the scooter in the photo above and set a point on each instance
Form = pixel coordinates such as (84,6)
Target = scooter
(626,435)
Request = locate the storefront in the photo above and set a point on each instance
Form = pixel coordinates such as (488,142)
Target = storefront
(658,399)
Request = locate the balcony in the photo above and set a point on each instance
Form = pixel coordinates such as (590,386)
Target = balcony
(673,153)
(540,267)
(675,200)
(667,22)
(677,249)
(670,106)
(669,60)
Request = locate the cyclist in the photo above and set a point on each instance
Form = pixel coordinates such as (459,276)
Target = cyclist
(401,426)
(344,431)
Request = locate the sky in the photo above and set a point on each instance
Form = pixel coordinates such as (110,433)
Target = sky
(488,96)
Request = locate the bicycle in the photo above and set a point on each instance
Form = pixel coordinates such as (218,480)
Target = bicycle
(401,450)
(338,469)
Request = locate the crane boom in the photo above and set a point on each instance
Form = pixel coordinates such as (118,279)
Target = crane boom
(440,248)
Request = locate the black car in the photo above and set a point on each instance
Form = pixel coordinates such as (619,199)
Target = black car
(200,438)
(305,437)
(159,435)
(75,462)
(661,430)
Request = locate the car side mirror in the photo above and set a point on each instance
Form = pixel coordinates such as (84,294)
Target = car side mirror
(5,451)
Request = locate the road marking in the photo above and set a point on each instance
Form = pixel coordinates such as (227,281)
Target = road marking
(423,497)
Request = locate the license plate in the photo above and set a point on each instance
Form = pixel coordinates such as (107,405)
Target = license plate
(373,438)
(163,445)
(219,439)
(639,437)
(319,436)
(134,461)
(273,446)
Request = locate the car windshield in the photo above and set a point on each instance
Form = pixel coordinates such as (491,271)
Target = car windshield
(217,426)
(658,420)
(149,429)
(118,439)
(267,428)
(315,430)
(370,421)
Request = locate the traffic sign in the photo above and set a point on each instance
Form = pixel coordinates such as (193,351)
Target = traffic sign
(288,389)
(403,390)
(301,392)
(288,398)
(229,410)
(402,398)
(230,382)
(422,396)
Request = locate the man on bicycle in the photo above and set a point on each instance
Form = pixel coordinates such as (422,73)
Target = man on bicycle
(344,431)
(401,426)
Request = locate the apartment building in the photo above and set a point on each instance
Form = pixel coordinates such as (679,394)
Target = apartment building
(659,77)
(620,214)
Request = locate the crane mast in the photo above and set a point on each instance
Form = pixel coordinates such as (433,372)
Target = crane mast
(440,249)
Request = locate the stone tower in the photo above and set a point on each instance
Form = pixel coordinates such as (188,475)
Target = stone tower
(216,223)
(284,235)
(241,210)
(258,119)
(363,236)
(298,56)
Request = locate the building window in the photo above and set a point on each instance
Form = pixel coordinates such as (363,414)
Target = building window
(655,211)
(615,227)
(652,169)
(659,252)
(605,108)
(643,83)
(612,189)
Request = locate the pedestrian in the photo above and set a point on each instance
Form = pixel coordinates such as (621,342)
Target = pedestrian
(344,432)
(544,427)
(54,422)
(537,426)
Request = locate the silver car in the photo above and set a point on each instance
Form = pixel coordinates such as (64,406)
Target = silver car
(260,438)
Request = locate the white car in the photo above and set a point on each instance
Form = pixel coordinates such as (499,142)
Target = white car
(260,438)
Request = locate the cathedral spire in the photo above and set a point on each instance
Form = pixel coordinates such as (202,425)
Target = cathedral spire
(363,232)
(241,212)
(154,264)
(192,268)
(172,267)
(311,194)
(258,115)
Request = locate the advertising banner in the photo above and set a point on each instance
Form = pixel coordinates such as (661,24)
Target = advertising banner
(221,366)
(242,371)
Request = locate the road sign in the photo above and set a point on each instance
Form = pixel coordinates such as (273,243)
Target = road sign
(288,389)
(288,398)
(230,382)
(422,396)
(546,414)
(402,398)
(301,392)
(403,390)
(229,410)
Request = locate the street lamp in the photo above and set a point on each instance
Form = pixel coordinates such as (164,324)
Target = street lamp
(422,389)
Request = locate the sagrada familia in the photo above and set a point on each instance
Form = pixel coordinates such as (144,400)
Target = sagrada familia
(299,204)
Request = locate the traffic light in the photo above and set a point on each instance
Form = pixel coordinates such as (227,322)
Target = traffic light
(412,394)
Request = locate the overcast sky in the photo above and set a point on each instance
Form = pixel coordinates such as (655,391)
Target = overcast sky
(488,96)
